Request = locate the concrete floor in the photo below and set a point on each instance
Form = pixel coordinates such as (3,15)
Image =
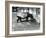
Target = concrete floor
(21,26)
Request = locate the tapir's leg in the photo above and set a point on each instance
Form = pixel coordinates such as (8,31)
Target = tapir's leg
(27,18)
(19,18)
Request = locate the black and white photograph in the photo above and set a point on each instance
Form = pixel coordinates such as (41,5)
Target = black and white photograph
(25,18)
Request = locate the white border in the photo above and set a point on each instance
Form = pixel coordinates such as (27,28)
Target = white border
(23,32)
